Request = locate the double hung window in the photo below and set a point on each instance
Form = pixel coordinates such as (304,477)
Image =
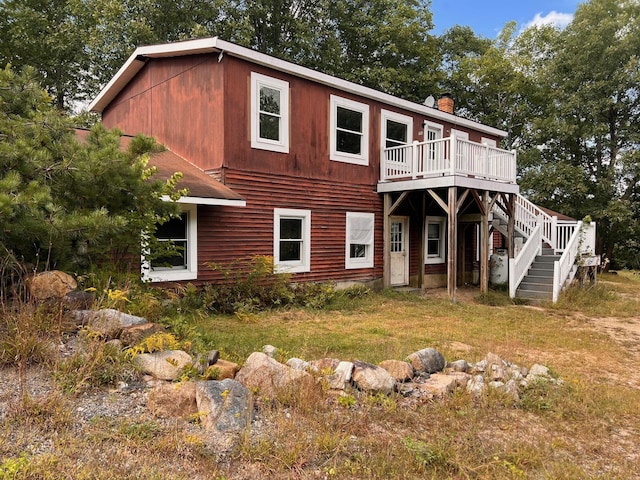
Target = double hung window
(292,240)
(359,240)
(349,131)
(269,113)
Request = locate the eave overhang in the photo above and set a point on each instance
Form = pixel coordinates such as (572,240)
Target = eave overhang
(214,45)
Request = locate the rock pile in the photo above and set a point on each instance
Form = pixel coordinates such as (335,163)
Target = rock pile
(226,403)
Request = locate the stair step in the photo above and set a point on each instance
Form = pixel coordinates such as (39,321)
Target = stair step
(533,295)
(538,279)
(547,258)
(536,287)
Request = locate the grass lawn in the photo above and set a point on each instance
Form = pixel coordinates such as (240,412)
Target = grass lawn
(588,427)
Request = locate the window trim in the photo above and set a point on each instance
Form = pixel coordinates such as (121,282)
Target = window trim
(434,127)
(298,266)
(257,81)
(358,159)
(367,260)
(440,258)
(178,274)
(489,142)
(398,118)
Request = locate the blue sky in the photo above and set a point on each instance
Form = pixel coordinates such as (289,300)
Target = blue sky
(487,17)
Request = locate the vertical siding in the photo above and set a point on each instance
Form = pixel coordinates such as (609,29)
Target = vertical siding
(179,101)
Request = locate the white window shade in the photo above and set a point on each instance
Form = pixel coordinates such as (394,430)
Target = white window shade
(359,240)
(361,230)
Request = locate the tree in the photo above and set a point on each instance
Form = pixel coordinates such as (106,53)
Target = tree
(49,35)
(587,158)
(67,204)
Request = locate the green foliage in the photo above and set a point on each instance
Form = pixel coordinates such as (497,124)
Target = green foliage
(97,364)
(429,455)
(11,467)
(68,204)
(155,343)
(251,285)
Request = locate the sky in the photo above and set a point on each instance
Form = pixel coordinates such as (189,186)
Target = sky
(487,17)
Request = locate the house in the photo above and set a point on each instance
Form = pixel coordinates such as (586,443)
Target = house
(336,181)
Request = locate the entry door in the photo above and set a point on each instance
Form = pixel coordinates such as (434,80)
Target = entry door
(399,243)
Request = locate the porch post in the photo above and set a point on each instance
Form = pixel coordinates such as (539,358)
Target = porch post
(452,246)
(484,244)
(386,242)
(422,241)
(511,226)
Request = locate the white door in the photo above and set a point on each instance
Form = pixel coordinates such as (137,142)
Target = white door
(399,243)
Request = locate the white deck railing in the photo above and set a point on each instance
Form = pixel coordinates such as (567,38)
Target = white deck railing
(581,242)
(447,156)
(519,266)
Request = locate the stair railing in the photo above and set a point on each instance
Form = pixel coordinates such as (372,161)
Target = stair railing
(519,266)
(529,214)
(563,269)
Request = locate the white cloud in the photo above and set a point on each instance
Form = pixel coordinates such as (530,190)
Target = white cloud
(554,18)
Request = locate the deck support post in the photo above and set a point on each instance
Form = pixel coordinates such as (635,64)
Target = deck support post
(386,242)
(484,244)
(511,226)
(452,244)
(423,240)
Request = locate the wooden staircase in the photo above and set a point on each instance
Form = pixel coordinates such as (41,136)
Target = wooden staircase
(538,282)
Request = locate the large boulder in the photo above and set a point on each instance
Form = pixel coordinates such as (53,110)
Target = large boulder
(173,400)
(270,377)
(224,406)
(427,360)
(443,384)
(341,376)
(137,333)
(401,371)
(107,322)
(51,285)
(373,379)
(164,365)
(221,370)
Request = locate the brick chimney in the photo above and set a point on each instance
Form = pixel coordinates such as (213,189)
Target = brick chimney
(445,103)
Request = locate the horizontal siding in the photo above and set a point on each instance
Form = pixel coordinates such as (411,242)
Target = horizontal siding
(227,233)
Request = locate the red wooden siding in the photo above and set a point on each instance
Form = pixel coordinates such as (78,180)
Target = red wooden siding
(179,102)
(225,233)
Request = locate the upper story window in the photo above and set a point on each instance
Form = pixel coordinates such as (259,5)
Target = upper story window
(269,113)
(397,129)
(349,131)
(292,240)
(183,263)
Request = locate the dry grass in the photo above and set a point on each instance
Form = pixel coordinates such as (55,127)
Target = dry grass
(587,428)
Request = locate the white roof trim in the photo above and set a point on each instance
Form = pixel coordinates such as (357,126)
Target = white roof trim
(192,47)
(207,201)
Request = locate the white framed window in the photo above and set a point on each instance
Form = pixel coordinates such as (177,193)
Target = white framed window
(397,129)
(349,131)
(269,113)
(359,240)
(435,240)
(183,265)
(291,240)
